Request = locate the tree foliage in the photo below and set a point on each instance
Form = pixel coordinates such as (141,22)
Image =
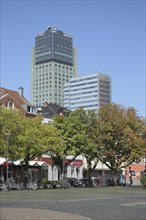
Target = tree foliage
(10,126)
(35,139)
(25,139)
(91,150)
(115,135)
(120,140)
(72,133)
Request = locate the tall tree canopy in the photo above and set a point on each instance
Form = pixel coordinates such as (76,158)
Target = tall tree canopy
(120,141)
(72,132)
(10,126)
(91,150)
(35,139)
(25,138)
(115,135)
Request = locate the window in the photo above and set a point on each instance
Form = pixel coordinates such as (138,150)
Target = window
(7,104)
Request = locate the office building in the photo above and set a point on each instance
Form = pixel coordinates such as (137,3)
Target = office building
(89,91)
(53,62)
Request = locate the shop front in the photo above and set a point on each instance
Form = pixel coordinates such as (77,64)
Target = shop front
(15,171)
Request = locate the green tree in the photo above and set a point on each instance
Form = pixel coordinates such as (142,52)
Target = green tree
(72,133)
(34,140)
(10,126)
(120,140)
(91,150)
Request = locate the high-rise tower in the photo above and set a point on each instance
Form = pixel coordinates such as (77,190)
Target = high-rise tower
(53,62)
(89,91)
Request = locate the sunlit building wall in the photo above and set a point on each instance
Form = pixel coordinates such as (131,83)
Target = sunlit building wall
(53,62)
(89,91)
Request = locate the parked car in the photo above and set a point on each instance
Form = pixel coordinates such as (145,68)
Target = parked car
(31,186)
(85,182)
(71,181)
(110,182)
(3,187)
(78,183)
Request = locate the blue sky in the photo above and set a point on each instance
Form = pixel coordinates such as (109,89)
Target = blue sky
(109,36)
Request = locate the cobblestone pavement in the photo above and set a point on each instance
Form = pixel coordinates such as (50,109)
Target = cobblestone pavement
(37,214)
(101,203)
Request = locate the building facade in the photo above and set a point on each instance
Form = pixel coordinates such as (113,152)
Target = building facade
(53,62)
(11,99)
(40,168)
(89,91)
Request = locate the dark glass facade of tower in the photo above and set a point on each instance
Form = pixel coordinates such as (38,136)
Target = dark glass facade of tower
(54,45)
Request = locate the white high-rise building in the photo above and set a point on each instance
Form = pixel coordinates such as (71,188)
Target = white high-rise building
(53,62)
(89,91)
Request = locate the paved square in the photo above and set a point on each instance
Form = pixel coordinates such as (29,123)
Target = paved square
(102,203)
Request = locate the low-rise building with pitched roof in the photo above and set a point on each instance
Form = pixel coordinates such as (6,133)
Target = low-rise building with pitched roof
(16,100)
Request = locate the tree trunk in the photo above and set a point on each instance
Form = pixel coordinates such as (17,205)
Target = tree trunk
(115,178)
(89,170)
(25,174)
